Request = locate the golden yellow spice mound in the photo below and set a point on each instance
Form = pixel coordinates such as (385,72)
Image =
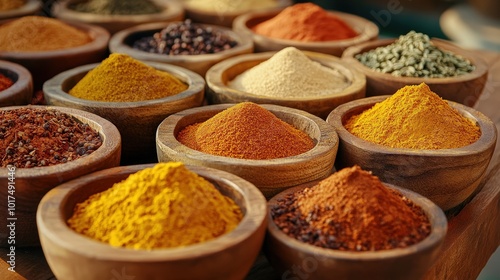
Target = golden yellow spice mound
(415,118)
(121,78)
(160,207)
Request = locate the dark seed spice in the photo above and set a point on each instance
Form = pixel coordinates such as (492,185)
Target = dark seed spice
(351,211)
(32,137)
(185,38)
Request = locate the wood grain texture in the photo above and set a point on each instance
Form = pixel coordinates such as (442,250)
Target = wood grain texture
(21,92)
(270,176)
(74,256)
(219,90)
(366,29)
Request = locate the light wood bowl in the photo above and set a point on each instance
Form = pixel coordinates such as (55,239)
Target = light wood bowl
(30,8)
(136,121)
(31,184)
(21,91)
(225,18)
(445,176)
(171,11)
(44,65)
(122,42)
(270,176)
(286,253)
(366,29)
(464,89)
(219,90)
(71,255)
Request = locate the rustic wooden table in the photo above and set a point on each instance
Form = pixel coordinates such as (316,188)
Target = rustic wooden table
(473,233)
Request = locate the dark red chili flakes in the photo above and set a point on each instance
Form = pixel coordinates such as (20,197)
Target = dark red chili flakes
(33,137)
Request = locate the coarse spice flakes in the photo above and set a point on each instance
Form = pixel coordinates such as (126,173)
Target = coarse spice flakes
(5,82)
(34,137)
(351,211)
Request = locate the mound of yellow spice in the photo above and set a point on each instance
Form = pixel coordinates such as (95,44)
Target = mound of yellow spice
(160,207)
(415,118)
(246,131)
(121,78)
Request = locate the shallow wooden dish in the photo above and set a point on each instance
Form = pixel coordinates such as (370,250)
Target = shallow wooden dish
(30,8)
(172,11)
(46,64)
(464,89)
(446,176)
(136,121)
(270,176)
(122,42)
(367,31)
(286,253)
(21,92)
(74,256)
(225,18)
(219,90)
(31,184)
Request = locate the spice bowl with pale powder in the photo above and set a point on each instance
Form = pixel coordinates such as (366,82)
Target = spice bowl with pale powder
(309,81)
(416,140)
(353,226)
(273,147)
(146,255)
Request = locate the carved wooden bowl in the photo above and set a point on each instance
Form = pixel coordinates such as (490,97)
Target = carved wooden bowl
(71,255)
(445,176)
(21,92)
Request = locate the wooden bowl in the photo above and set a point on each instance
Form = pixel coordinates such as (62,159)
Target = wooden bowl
(219,90)
(43,65)
(30,8)
(292,257)
(71,255)
(21,91)
(171,11)
(136,121)
(445,176)
(270,176)
(122,42)
(224,17)
(31,184)
(366,29)
(464,89)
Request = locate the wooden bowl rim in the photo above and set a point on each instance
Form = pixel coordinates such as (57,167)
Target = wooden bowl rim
(196,85)
(436,216)
(24,80)
(481,67)
(486,140)
(52,203)
(111,142)
(189,8)
(328,137)
(214,77)
(367,30)
(30,7)
(117,45)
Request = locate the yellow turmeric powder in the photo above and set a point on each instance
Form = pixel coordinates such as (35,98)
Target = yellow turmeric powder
(121,78)
(160,207)
(415,118)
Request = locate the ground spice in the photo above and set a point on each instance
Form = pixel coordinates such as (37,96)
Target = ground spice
(36,33)
(290,73)
(121,78)
(305,22)
(160,207)
(5,82)
(117,7)
(225,6)
(246,131)
(351,211)
(7,5)
(415,118)
(33,137)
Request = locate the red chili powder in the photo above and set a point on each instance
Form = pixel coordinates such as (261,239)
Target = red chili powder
(5,82)
(305,22)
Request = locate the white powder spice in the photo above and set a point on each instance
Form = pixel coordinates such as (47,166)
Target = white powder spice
(290,73)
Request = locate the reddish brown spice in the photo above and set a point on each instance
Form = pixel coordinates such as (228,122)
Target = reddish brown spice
(305,22)
(351,211)
(5,82)
(32,137)
(246,131)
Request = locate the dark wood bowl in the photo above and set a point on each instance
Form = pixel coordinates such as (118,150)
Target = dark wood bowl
(21,92)
(30,8)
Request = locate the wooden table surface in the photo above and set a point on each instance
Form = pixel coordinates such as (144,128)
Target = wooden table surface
(473,233)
